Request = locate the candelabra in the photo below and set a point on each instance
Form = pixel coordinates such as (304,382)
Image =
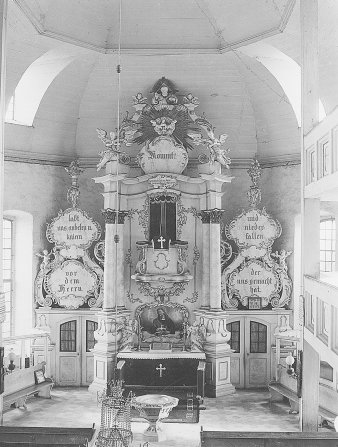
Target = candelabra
(115,429)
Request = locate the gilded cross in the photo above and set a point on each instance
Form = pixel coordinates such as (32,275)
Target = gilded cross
(161,368)
(161,240)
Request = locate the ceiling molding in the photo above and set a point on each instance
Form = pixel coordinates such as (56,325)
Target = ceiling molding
(34,20)
(91,162)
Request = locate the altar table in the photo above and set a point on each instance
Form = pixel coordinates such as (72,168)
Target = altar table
(162,370)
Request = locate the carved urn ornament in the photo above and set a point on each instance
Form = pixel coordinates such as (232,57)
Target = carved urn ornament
(166,128)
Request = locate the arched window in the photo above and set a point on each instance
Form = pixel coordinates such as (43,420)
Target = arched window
(10,114)
(327,245)
(7,275)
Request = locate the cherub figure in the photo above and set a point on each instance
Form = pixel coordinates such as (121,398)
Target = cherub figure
(128,330)
(45,259)
(197,334)
(281,258)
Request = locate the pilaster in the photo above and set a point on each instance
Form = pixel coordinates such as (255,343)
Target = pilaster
(113,315)
(211,258)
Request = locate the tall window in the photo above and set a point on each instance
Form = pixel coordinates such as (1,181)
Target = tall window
(327,245)
(7,275)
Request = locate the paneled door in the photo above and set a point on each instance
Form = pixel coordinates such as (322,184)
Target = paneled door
(87,358)
(74,357)
(250,361)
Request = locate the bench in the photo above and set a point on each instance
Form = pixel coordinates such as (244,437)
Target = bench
(20,385)
(45,436)
(328,404)
(268,439)
(278,391)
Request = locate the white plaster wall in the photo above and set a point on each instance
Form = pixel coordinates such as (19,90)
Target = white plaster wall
(41,190)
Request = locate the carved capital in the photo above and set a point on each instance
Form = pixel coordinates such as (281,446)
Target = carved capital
(205,216)
(212,216)
(110,216)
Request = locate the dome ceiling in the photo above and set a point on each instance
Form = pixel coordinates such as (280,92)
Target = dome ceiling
(158,24)
(185,41)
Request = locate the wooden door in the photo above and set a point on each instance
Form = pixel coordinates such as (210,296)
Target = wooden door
(68,353)
(250,361)
(237,344)
(257,354)
(87,357)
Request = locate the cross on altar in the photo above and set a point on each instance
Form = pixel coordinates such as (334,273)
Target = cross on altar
(161,240)
(161,369)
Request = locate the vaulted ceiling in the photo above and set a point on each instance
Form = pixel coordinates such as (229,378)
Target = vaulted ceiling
(62,58)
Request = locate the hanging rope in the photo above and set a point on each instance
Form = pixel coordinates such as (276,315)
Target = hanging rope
(117,198)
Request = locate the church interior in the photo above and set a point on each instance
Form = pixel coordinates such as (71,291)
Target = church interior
(168,217)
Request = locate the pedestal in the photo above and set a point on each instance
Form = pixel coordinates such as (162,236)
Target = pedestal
(217,351)
(108,336)
(153,408)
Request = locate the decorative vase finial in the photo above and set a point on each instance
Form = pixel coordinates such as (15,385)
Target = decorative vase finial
(254,193)
(73,192)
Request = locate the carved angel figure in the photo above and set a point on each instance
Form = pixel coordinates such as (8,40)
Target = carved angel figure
(128,330)
(281,258)
(197,334)
(217,152)
(111,141)
(45,258)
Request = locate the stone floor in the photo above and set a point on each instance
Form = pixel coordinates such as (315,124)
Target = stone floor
(243,411)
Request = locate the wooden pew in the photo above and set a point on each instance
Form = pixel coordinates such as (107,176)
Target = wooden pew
(20,385)
(328,404)
(266,439)
(45,436)
(287,386)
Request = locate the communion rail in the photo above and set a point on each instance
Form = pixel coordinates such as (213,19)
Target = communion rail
(266,439)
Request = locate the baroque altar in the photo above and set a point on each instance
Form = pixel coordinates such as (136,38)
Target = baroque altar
(162,264)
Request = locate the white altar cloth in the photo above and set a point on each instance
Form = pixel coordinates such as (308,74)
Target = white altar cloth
(163,354)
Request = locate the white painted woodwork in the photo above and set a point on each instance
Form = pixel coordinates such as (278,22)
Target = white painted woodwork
(251,370)
(321,318)
(310,393)
(72,368)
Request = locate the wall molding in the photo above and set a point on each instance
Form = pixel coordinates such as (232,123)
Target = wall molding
(91,162)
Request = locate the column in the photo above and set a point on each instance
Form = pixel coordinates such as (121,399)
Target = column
(211,315)
(310,207)
(3,32)
(215,258)
(310,388)
(114,313)
(114,292)
(205,260)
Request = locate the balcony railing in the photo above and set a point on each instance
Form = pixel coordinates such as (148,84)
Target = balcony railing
(321,317)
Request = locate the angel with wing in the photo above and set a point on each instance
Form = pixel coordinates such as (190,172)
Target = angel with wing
(112,143)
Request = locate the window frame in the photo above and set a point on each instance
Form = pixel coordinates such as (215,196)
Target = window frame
(10,281)
(324,261)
